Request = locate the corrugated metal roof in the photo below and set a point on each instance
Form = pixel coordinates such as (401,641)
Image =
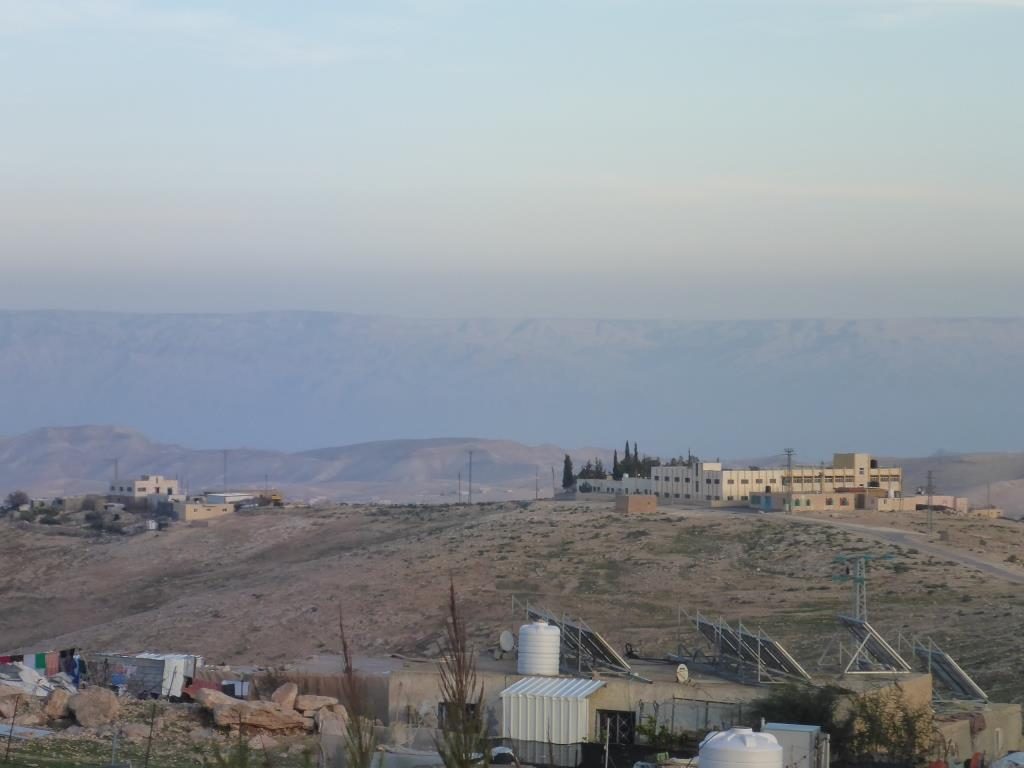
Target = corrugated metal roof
(554,687)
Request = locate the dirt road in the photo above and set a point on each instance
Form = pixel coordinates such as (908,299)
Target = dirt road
(920,542)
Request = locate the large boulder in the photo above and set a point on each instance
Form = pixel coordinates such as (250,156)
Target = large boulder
(285,696)
(94,707)
(229,712)
(331,721)
(57,704)
(208,698)
(311,704)
(257,714)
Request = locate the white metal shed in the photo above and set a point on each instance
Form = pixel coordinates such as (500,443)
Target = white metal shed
(552,710)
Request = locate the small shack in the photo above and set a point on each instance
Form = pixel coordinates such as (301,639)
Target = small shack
(547,717)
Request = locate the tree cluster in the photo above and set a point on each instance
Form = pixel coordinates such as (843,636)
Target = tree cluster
(633,464)
(874,728)
(593,470)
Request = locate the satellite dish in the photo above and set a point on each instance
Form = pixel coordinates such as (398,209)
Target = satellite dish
(507,641)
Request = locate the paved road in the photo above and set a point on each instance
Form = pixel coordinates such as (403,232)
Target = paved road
(918,541)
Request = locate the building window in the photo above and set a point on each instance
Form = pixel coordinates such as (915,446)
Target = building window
(744,498)
(844,502)
(656,477)
(445,707)
(829,502)
(730,482)
(772,480)
(687,479)
(620,727)
(677,495)
(717,481)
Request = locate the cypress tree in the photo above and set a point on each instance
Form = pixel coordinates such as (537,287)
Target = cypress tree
(568,479)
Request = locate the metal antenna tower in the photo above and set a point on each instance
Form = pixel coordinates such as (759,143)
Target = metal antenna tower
(857,572)
(930,489)
(789,480)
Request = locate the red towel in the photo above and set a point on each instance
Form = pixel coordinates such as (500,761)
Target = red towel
(52,663)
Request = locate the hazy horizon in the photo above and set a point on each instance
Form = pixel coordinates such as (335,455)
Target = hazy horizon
(841,158)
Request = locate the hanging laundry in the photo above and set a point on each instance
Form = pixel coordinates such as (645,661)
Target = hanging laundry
(40,662)
(52,663)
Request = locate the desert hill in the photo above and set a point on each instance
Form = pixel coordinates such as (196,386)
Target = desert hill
(64,460)
(265,587)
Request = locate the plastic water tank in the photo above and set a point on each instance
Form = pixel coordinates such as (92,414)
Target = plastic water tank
(740,748)
(539,645)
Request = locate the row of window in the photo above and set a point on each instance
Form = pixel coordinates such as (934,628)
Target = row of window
(707,497)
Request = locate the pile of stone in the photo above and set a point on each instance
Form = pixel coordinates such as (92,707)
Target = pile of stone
(90,708)
(286,711)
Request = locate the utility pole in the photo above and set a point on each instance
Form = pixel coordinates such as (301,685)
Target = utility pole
(988,494)
(789,478)
(225,452)
(536,484)
(470,477)
(930,488)
(554,489)
(460,486)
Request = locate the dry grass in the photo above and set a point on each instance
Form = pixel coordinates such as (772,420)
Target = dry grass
(264,588)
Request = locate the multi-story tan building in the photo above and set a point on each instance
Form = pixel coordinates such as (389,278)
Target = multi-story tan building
(709,482)
(144,487)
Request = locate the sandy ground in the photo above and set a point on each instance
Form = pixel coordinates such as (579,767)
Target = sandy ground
(266,587)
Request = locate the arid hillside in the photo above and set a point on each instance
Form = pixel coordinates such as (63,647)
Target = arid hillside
(265,587)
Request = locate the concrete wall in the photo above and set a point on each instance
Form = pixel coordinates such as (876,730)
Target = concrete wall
(910,503)
(1001,732)
(197,511)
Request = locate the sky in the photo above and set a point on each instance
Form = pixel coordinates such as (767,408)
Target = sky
(611,158)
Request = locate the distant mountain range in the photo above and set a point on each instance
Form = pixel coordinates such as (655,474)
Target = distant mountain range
(68,460)
(290,380)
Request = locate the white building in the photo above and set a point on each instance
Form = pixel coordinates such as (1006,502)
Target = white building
(708,482)
(144,487)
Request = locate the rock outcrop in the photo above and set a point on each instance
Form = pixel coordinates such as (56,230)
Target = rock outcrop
(233,713)
(311,704)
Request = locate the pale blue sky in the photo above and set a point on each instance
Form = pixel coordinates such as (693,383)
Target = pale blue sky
(564,157)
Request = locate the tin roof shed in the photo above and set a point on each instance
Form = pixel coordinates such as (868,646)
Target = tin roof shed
(548,709)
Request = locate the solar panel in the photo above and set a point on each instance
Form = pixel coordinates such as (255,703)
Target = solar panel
(874,645)
(949,673)
(581,642)
(750,648)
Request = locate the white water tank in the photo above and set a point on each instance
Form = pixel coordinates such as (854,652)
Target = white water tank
(740,748)
(539,645)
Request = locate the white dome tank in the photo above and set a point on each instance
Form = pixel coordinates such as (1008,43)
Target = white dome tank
(539,645)
(740,748)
